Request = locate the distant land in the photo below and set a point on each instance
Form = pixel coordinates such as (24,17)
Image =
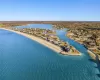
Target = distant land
(65,24)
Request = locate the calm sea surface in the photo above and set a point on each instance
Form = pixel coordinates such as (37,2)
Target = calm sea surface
(24,59)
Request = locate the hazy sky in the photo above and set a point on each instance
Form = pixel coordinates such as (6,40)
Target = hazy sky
(70,10)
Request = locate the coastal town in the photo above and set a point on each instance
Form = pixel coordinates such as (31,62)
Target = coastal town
(51,37)
(86,33)
(89,37)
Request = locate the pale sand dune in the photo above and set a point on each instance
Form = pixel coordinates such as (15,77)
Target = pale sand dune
(41,41)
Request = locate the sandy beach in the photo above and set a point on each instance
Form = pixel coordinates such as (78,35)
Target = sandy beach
(43,42)
(93,56)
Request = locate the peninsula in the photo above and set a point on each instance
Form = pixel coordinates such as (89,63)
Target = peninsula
(47,38)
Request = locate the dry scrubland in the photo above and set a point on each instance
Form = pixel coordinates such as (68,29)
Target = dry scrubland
(58,24)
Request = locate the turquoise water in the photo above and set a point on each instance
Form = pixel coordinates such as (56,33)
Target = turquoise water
(24,59)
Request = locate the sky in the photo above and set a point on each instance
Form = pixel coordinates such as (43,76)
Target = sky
(50,10)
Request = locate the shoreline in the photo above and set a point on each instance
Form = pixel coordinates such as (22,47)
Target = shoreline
(92,55)
(43,42)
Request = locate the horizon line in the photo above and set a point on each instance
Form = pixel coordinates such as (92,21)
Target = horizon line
(47,21)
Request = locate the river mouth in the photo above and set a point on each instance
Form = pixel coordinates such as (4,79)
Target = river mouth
(24,59)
